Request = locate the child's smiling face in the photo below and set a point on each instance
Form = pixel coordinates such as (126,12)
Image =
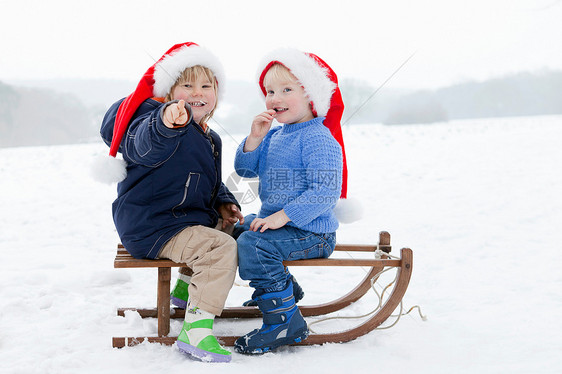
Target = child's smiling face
(287,97)
(199,93)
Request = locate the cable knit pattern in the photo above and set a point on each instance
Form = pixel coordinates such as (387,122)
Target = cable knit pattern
(300,171)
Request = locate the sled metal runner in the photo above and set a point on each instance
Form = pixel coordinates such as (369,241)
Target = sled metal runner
(162,311)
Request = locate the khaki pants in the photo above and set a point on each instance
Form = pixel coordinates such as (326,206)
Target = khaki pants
(213,257)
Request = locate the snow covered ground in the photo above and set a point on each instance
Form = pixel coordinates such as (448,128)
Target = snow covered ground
(478,201)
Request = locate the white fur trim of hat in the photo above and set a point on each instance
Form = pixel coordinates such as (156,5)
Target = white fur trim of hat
(167,71)
(314,78)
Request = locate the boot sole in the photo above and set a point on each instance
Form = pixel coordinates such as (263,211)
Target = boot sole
(297,338)
(180,303)
(200,354)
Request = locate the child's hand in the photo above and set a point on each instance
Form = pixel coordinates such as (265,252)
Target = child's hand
(260,127)
(274,221)
(262,123)
(230,214)
(175,114)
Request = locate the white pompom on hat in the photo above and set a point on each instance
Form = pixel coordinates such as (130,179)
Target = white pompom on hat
(156,82)
(320,84)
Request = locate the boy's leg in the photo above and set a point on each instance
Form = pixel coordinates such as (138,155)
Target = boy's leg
(261,257)
(180,293)
(196,337)
(212,256)
(238,230)
(282,323)
(298,292)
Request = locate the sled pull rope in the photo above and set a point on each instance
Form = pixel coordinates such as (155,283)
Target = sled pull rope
(380,296)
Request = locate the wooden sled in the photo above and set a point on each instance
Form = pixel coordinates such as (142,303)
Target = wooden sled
(162,311)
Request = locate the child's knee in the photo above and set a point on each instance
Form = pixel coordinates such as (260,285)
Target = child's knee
(231,247)
(245,241)
(247,255)
(224,248)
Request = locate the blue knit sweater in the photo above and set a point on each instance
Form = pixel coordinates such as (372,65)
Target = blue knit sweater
(300,171)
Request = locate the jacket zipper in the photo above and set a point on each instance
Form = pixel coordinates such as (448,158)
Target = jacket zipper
(215,155)
(207,133)
(184,194)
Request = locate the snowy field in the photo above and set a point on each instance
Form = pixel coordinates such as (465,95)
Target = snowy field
(478,201)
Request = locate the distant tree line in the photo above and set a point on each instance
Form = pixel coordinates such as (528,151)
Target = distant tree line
(43,116)
(522,94)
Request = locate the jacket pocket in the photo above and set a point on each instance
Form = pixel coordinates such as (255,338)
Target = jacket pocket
(190,187)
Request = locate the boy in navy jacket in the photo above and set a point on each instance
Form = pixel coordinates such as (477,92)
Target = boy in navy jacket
(172,198)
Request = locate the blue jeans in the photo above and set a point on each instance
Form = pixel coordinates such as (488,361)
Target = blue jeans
(261,254)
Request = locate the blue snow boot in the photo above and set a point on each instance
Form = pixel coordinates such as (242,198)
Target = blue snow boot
(298,293)
(282,324)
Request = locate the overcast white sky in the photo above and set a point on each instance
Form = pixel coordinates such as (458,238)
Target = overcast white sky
(454,40)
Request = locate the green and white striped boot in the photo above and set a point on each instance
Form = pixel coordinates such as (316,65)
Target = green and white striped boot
(197,339)
(180,293)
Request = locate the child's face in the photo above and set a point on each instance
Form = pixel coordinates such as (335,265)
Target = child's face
(288,99)
(199,94)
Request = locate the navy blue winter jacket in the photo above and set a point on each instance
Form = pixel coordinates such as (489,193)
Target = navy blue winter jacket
(173,179)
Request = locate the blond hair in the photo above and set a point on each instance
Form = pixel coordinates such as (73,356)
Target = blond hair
(278,71)
(189,75)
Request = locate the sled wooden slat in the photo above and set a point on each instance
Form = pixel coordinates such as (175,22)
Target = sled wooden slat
(163,311)
(124,261)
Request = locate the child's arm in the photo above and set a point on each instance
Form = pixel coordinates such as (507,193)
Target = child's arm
(246,162)
(149,140)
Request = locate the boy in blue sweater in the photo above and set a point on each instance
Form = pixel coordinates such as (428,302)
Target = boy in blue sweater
(302,172)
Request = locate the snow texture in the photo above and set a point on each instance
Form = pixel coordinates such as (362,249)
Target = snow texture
(478,201)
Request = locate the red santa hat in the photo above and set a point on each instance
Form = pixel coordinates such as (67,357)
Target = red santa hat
(156,82)
(320,84)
